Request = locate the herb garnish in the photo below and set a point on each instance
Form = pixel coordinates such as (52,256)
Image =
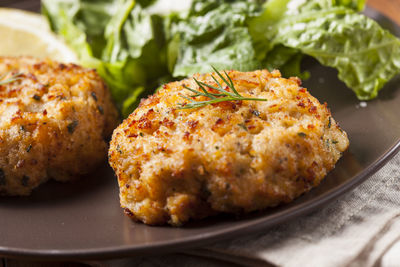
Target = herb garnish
(94,96)
(327,143)
(243,126)
(13,78)
(29,148)
(100,109)
(223,96)
(301,134)
(71,127)
(256,113)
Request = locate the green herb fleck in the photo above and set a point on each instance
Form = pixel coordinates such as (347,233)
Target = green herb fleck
(94,96)
(119,149)
(335,142)
(330,123)
(141,134)
(222,96)
(13,78)
(36,97)
(256,113)
(301,134)
(71,127)
(101,110)
(243,126)
(29,148)
(216,147)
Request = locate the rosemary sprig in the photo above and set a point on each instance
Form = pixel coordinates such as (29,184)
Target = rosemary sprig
(13,78)
(222,96)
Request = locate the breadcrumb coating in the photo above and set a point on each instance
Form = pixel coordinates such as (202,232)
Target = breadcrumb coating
(175,164)
(54,120)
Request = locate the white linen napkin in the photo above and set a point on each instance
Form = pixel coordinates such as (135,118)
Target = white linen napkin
(360,229)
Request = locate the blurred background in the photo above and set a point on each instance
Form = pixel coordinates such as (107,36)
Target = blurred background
(390,7)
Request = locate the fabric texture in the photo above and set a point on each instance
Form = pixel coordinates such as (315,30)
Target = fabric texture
(360,229)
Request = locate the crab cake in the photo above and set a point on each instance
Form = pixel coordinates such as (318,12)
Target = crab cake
(54,119)
(237,156)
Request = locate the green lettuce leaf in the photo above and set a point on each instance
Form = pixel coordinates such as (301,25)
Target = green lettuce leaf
(287,60)
(90,17)
(214,33)
(118,38)
(365,55)
(135,50)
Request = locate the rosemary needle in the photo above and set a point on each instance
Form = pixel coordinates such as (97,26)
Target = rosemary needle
(13,78)
(222,96)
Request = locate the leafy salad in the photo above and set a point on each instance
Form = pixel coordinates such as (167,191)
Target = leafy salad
(136,46)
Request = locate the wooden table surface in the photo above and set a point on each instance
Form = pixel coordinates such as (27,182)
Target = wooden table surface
(391,8)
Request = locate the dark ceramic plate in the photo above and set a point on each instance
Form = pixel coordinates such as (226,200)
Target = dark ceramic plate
(83,220)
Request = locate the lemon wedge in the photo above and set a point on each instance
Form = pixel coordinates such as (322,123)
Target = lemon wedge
(28,34)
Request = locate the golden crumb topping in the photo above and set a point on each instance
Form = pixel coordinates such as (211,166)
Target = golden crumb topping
(174,164)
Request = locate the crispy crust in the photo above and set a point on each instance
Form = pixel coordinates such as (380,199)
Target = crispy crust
(173,165)
(53,122)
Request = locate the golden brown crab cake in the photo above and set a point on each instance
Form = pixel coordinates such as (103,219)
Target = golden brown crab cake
(54,119)
(176,164)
